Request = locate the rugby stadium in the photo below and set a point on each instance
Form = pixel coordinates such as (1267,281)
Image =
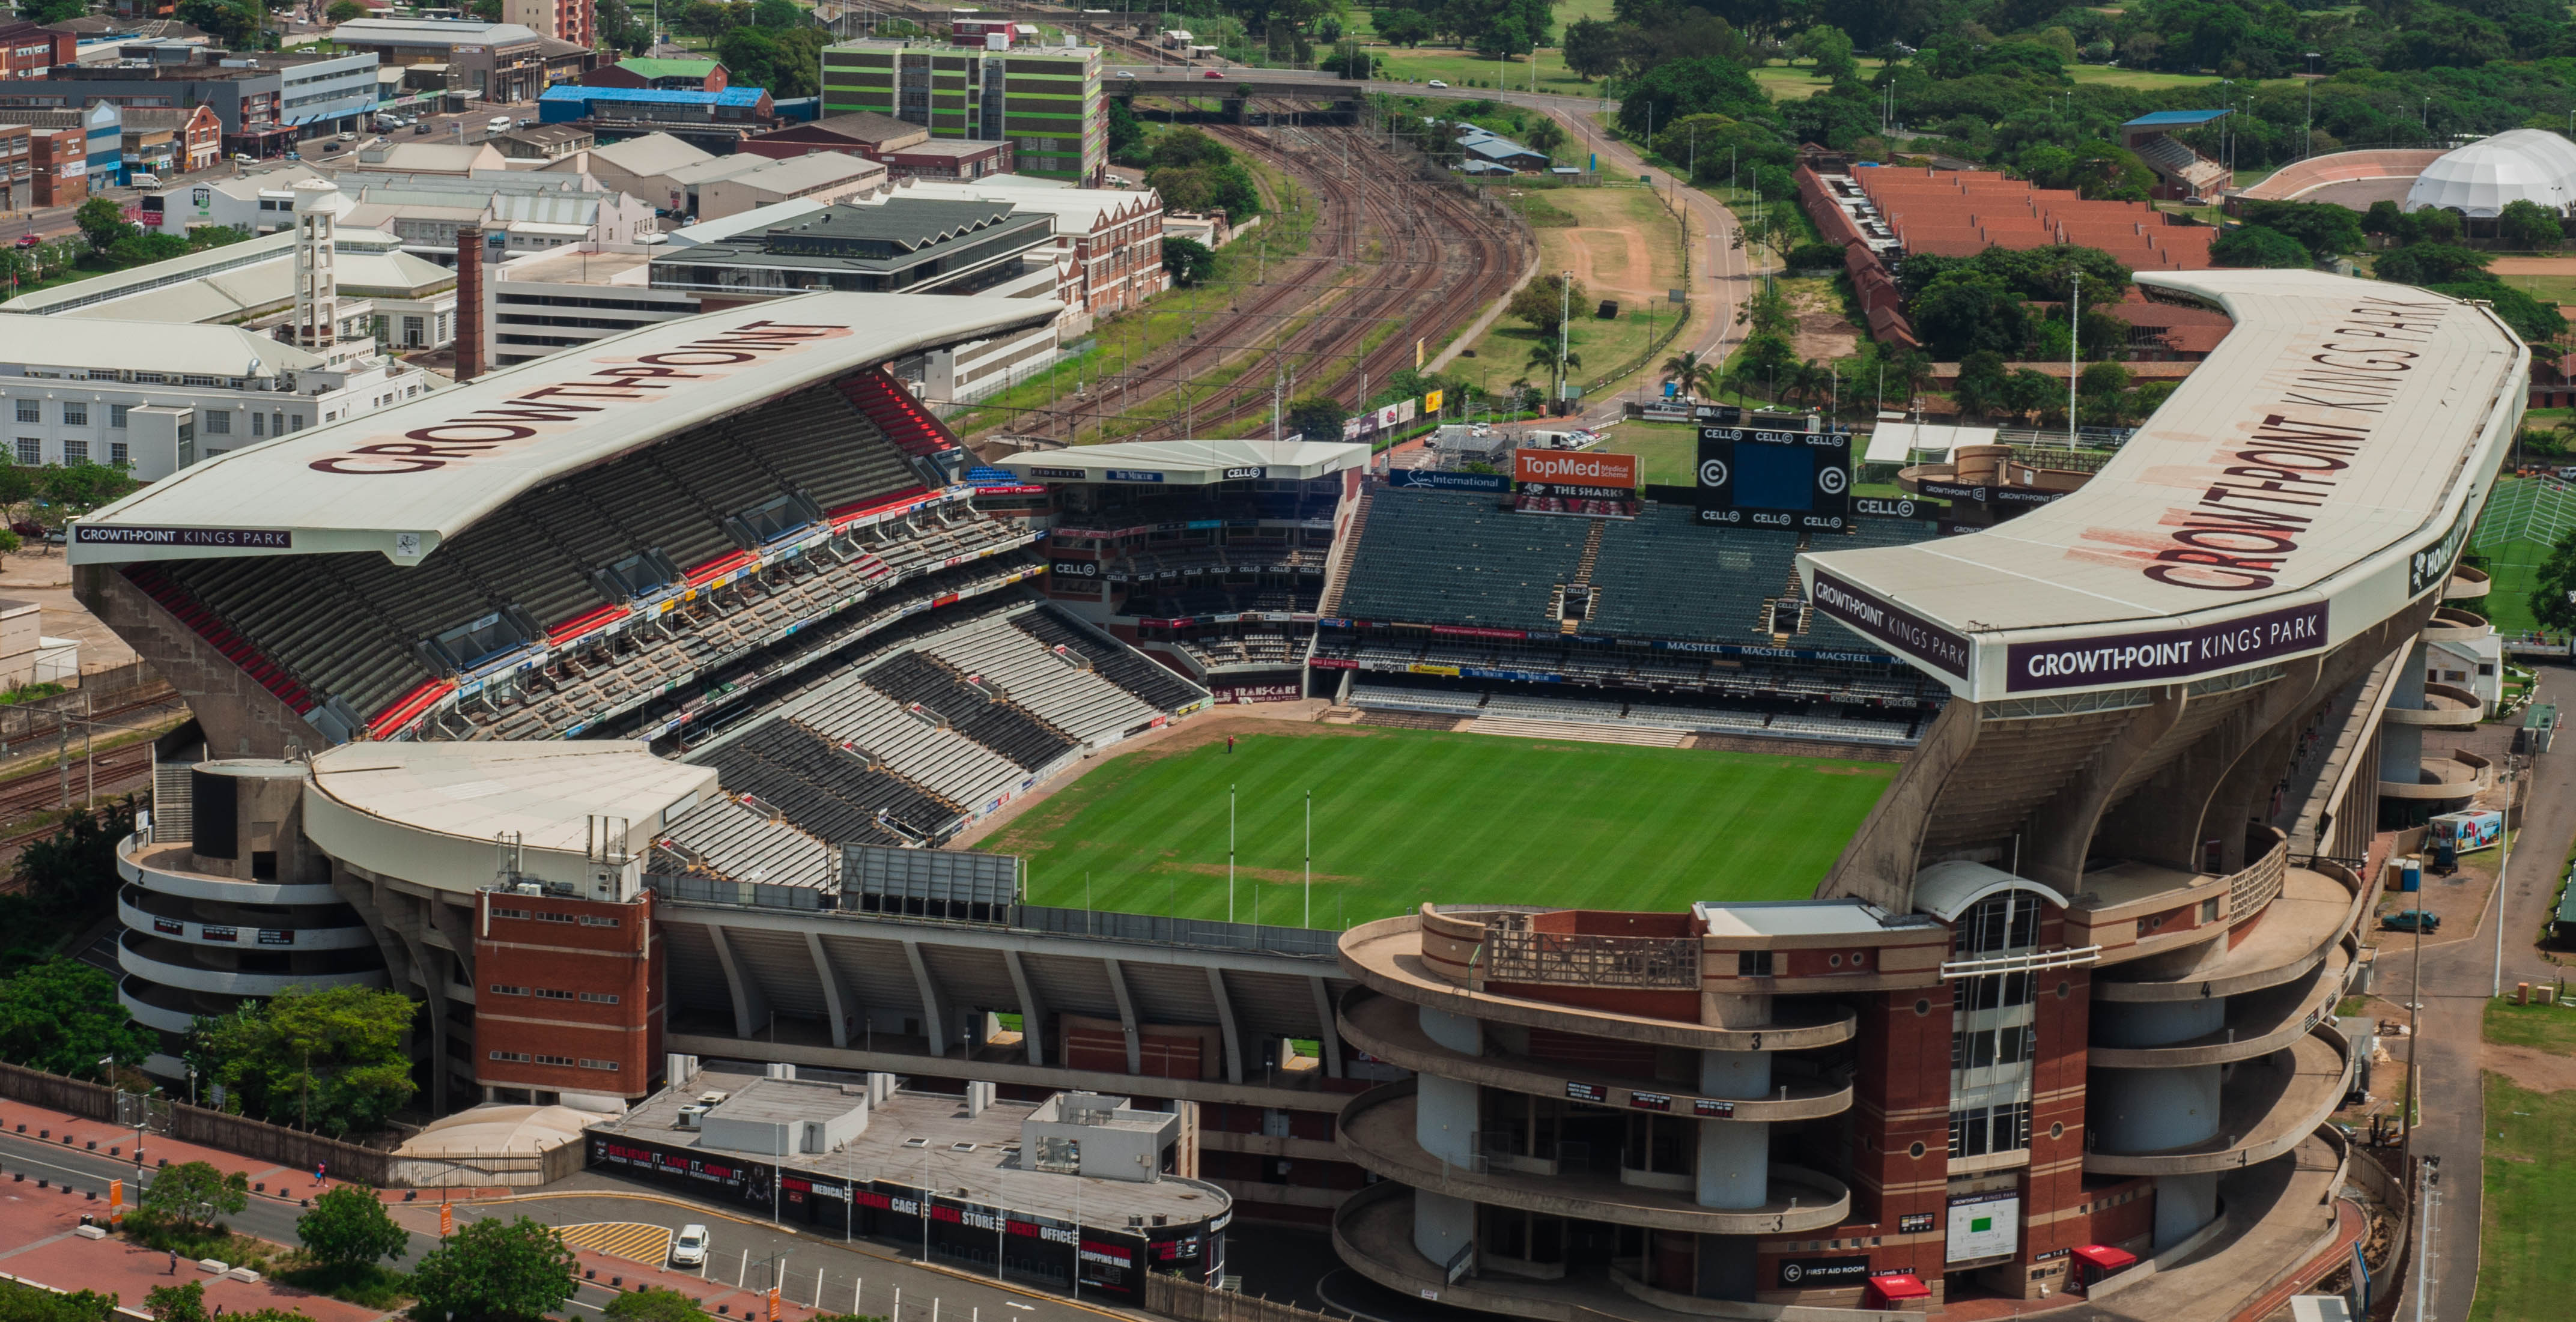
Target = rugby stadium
(635,710)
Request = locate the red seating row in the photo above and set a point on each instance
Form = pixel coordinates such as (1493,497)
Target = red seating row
(400,713)
(889,404)
(159,586)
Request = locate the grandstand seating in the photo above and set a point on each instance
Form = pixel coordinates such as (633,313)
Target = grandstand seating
(1664,576)
(1441,557)
(833,794)
(1060,689)
(1247,649)
(618,674)
(725,838)
(889,404)
(350,626)
(846,712)
(911,678)
(1152,684)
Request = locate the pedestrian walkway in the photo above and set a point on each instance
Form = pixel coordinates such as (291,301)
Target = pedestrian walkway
(39,1224)
(268,1179)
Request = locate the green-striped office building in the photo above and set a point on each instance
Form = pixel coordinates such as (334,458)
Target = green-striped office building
(1045,100)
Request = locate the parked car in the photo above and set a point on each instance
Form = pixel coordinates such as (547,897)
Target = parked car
(1124,74)
(30,240)
(423,126)
(1437,83)
(690,1249)
(28,528)
(347,135)
(2410,920)
(1213,73)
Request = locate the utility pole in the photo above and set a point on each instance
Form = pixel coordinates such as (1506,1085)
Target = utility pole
(1564,318)
(2074,346)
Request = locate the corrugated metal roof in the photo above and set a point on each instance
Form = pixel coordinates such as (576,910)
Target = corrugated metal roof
(731,97)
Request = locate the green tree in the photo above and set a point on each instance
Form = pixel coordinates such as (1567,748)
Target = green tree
(55,11)
(74,489)
(2327,231)
(350,11)
(1403,27)
(1544,134)
(2553,589)
(62,1016)
(333,1060)
(776,15)
(2259,246)
(1688,87)
(1543,303)
(176,1303)
(495,1271)
(348,1228)
(649,1305)
(1966,311)
(102,222)
(1319,417)
(1691,373)
(72,871)
(2105,391)
(2526,224)
(193,1197)
(1126,134)
(750,55)
(1189,261)
(1593,48)
(2430,264)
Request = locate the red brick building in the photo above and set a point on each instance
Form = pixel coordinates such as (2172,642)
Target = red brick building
(27,50)
(568,994)
(661,74)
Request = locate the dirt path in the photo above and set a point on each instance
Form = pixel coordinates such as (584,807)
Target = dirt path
(1611,259)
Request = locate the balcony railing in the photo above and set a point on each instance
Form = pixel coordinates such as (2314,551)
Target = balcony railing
(1513,952)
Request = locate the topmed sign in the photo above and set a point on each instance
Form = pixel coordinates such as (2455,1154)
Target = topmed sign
(1575,469)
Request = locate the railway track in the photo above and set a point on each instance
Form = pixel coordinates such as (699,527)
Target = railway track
(112,771)
(1391,253)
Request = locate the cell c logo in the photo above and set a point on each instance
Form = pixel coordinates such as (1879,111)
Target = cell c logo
(1791,1273)
(1713,473)
(1832,480)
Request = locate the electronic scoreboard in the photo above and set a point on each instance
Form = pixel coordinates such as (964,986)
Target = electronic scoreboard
(1772,470)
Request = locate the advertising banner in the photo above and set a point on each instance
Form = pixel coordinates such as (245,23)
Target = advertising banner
(1984,1226)
(1889,623)
(2155,654)
(1425,478)
(1561,468)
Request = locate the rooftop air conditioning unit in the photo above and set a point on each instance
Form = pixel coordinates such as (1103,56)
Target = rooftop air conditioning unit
(691,1115)
(712,1100)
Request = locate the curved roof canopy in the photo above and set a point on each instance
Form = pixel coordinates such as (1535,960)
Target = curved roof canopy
(2526,165)
(2317,473)
(403,479)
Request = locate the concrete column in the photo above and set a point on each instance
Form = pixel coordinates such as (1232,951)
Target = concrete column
(2152,1110)
(2156,1023)
(1328,1033)
(838,1003)
(1444,1119)
(1734,1011)
(1734,1163)
(750,1007)
(1032,1010)
(2401,747)
(1745,1074)
(1441,1225)
(1454,1031)
(934,1007)
(2184,1203)
(1126,1015)
(1225,1021)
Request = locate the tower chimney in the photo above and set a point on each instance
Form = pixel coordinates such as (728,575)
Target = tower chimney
(317,279)
(469,303)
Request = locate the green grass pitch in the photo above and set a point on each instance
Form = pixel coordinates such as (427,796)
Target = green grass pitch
(1404,816)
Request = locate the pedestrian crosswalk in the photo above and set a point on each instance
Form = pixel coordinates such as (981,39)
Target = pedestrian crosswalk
(631,1240)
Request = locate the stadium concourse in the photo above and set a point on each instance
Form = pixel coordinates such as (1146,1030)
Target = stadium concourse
(2118,886)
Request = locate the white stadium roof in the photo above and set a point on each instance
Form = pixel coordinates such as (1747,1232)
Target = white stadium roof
(403,479)
(1188,463)
(2317,473)
(2533,165)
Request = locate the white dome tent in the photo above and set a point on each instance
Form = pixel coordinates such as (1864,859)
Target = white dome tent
(2477,180)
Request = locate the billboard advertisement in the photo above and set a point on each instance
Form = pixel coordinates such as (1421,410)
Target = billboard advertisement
(1986,1225)
(1567,468)
(1752,476)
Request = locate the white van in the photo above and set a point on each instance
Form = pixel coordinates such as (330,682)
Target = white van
(498,124)
(145,180)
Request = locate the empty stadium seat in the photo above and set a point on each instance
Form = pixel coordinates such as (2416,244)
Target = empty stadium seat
(1436,557)
(1005,727)
(1153,684)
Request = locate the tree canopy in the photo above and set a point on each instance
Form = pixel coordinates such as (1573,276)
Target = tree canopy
(334,1060)
(495,1271)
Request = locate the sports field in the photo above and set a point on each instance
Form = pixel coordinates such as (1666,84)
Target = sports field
(1404,816)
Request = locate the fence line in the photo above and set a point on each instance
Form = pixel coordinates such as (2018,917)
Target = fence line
(292,1148)
(1189,1301)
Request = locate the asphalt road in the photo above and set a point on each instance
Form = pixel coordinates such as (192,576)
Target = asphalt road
(2459,976)
(744,1252)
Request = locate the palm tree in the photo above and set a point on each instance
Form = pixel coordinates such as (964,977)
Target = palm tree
(1693,374)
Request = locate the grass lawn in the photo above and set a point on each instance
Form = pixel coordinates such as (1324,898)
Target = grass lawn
(2148,80)
(1404,816)
(1621,244)
(2530,1176)
(1667,452)
(1467,69)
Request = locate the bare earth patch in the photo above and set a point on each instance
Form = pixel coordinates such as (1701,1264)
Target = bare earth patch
(2540,1071)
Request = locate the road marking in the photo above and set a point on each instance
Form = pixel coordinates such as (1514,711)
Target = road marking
(635,1241)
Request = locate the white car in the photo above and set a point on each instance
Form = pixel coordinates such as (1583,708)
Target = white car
(690,1249)
(1437,83)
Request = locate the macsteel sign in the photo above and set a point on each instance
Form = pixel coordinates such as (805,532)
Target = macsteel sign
(2137,658)
(1891,624)
(1578,468)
